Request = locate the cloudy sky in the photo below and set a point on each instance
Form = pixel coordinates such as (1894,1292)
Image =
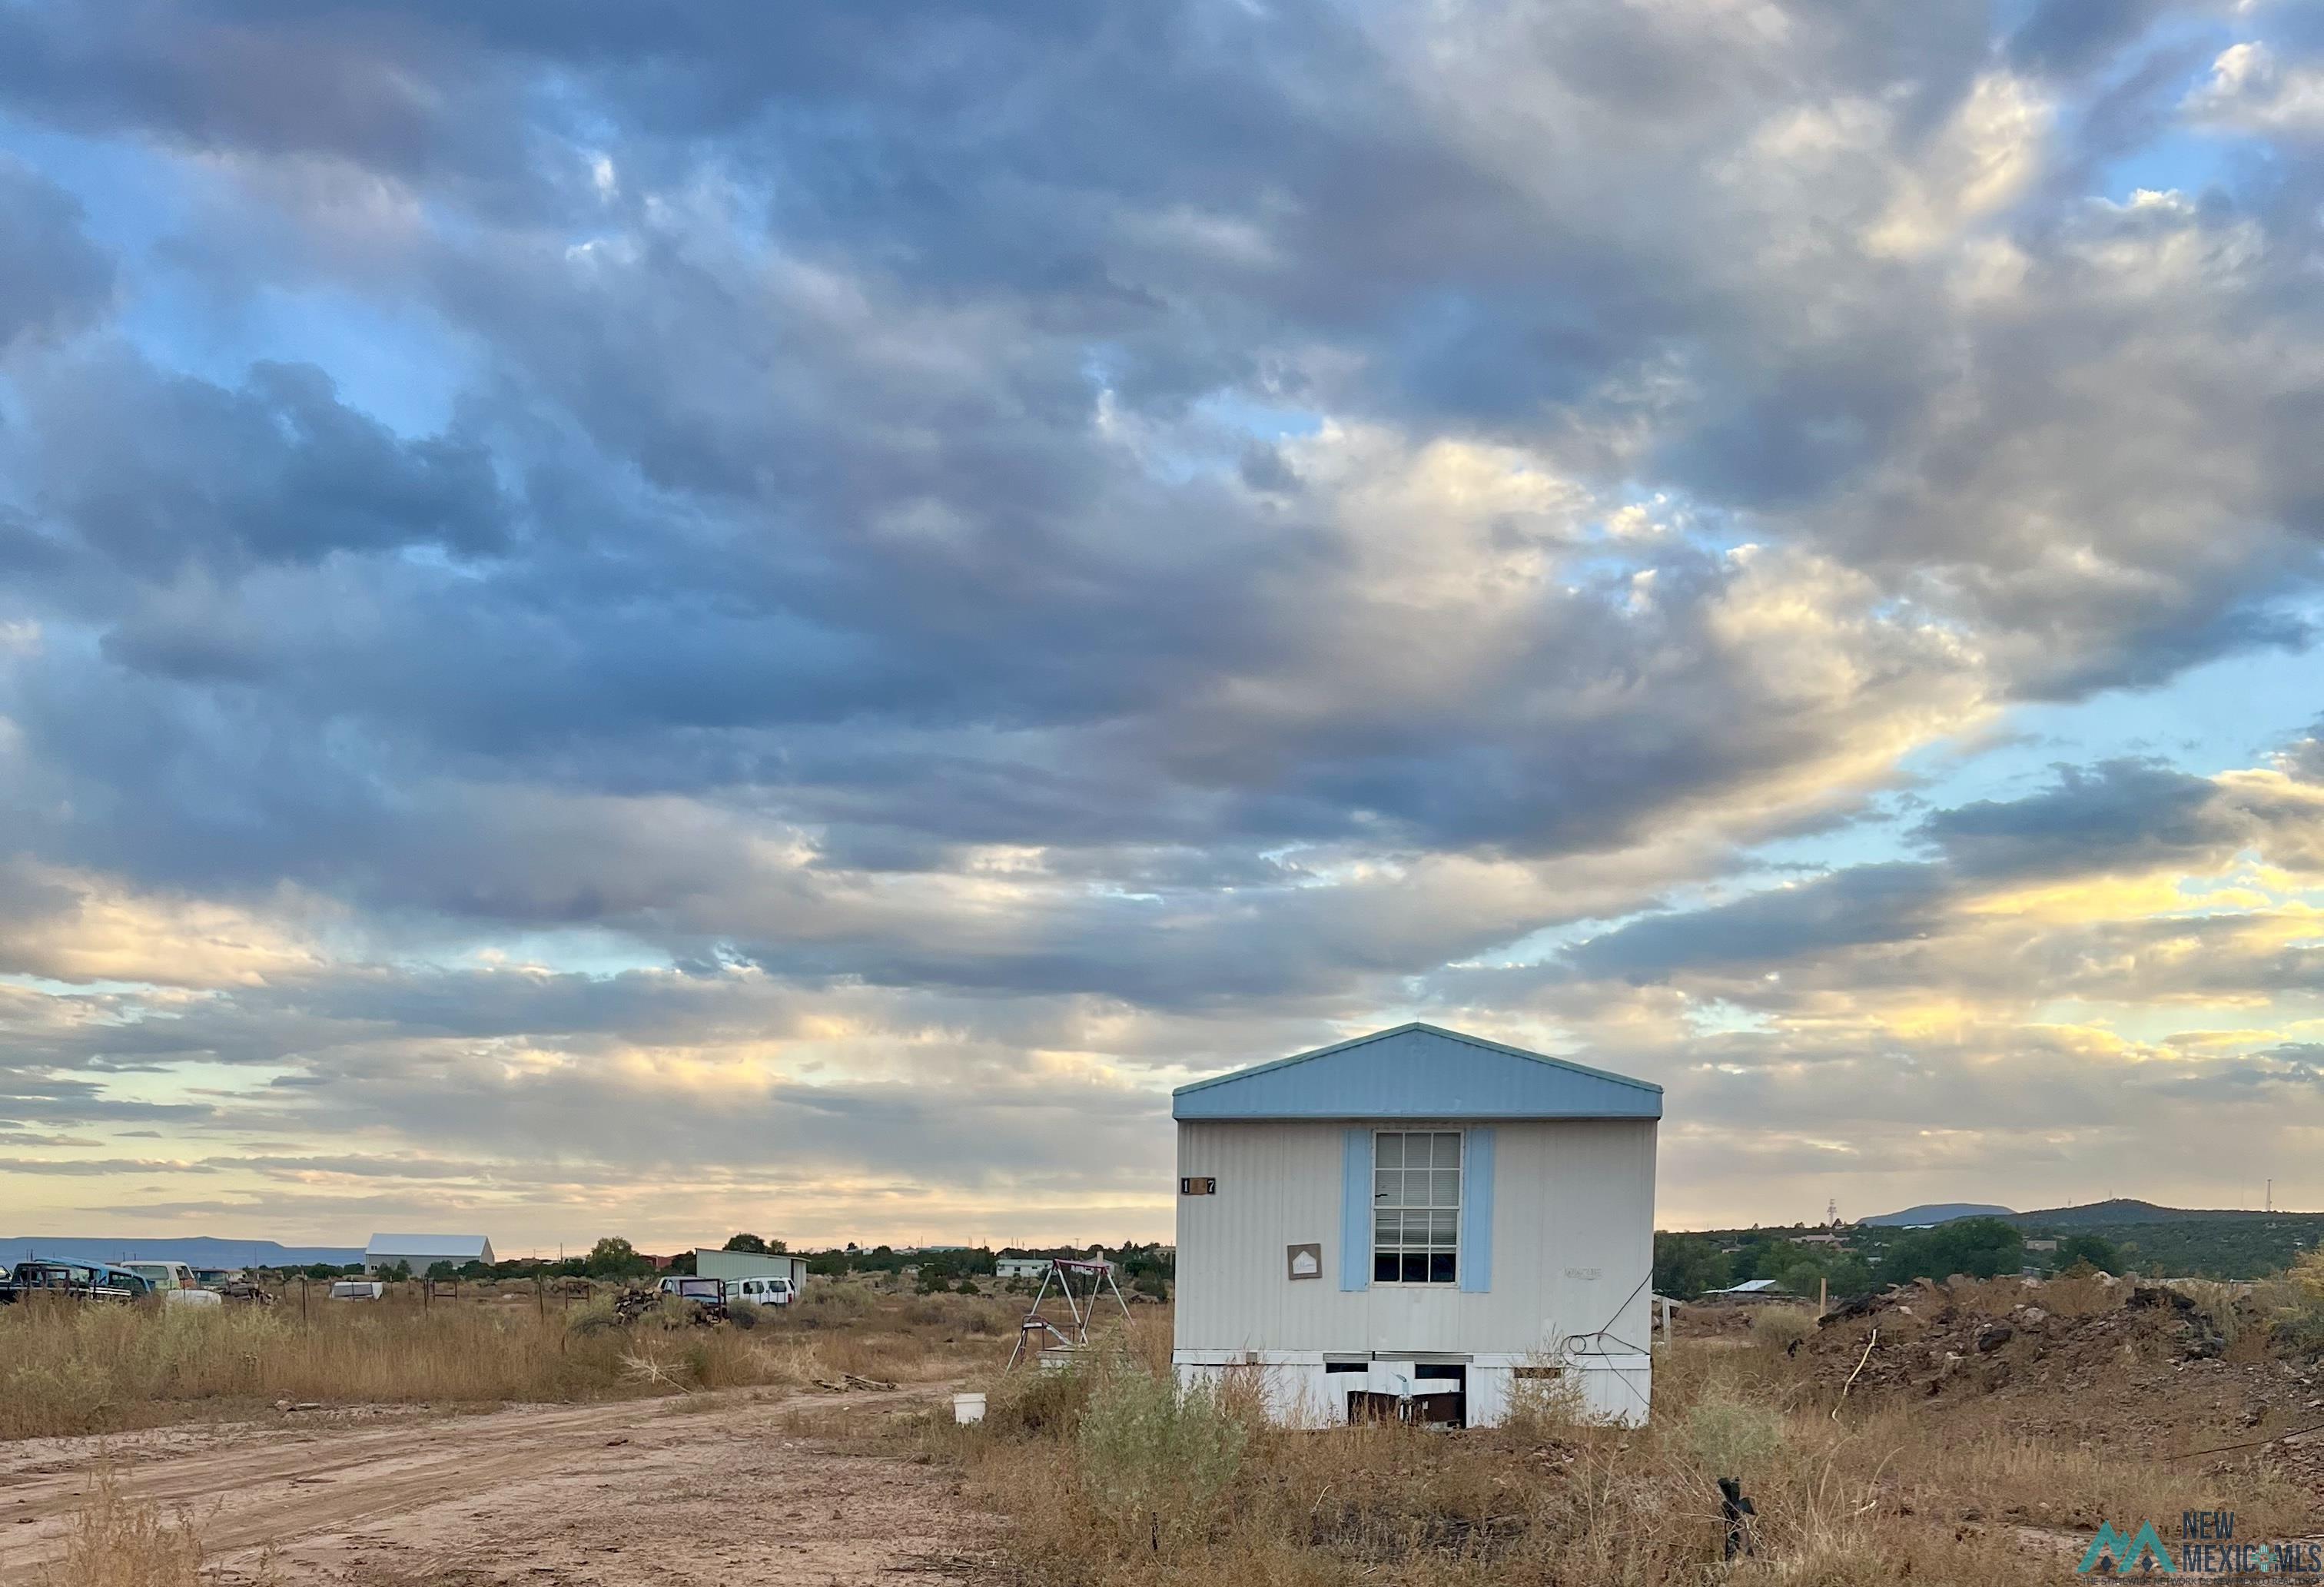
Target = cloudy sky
(682,618)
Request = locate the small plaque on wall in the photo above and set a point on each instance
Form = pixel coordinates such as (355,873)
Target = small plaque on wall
(1198,1187)
(1304,1261)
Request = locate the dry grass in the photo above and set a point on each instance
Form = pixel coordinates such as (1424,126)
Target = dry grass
(1950,1496)
(118,1541)
(1778,1326)
(67,1369)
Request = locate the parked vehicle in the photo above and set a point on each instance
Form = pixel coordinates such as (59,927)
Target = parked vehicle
(235,1286)
(358,1290)
(686,1287)
(80,1281)
(176,1282)
(760,1291)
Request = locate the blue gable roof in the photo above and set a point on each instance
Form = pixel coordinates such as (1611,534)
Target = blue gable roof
(1418,1072)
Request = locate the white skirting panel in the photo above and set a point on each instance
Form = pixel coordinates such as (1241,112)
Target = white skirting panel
(1293,1386)
(1297,1392)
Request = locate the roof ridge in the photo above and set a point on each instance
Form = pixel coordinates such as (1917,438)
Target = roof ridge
(1461,1036)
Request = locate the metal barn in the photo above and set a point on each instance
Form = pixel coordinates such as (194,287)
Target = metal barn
(421,1253)
(1422,1220)
(731,1265)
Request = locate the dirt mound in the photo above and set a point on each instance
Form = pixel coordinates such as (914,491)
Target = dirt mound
(1978,1338)
(1699,1320)
(2105,1361)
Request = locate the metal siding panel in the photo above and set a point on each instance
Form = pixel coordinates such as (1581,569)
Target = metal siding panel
(1477,1213)
(1567,1195)
(1420,1075)
(1355,1210)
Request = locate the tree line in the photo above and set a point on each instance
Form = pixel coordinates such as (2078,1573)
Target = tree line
(1871,1259)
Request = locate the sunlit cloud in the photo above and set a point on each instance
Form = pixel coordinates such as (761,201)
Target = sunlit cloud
(678,636)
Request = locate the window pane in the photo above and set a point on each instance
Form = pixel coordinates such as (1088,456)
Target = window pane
(1440,1268)
(1443,1228)
(1391,1152)
(1415,1188)
(1387,1188)
(1384,1268)
(1448,1151)
(1448,1187)
(1415,1267)
(1387,1228)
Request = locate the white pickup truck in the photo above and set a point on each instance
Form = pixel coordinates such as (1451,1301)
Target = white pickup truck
(176,1283)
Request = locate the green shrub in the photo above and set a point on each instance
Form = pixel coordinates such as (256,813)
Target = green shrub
(1036,1403)
(1779,1326)
(1155,1460)
(1731,1436)
(2297,1302)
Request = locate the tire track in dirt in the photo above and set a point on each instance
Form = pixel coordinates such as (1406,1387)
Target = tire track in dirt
(546,1495)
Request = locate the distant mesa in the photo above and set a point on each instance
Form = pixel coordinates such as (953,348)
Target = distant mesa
(194,1250)
(2122,1210)
(1939,1212)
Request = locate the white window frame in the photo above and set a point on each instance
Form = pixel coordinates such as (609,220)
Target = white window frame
(1431,1246)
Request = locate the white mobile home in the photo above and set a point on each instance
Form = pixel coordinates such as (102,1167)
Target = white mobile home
(1418,1216)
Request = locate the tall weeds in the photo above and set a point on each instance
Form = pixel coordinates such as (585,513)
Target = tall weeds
(1155,1459)
(71,1368)
(116,1541)
(1111,1477)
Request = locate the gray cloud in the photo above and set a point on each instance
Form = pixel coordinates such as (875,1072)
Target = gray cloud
(51,277)
(1850,909)
(2120,815)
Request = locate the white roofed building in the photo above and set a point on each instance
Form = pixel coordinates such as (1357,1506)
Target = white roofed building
(421,1253)
(1417,1220)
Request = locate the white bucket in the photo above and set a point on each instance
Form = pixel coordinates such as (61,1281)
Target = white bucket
(967,1408)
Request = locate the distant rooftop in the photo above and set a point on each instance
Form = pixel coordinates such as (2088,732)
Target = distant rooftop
(474,1248)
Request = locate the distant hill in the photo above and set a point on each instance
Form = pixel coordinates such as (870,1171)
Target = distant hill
(197,1250)
(1939,1212)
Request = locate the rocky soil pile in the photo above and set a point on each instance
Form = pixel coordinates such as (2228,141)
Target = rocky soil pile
(2105,1359)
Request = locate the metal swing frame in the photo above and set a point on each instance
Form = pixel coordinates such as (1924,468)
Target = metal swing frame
(1061,1270)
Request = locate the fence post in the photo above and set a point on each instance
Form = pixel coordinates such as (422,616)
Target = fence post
(302,1300)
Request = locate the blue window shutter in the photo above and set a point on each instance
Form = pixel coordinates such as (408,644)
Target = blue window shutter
(1477,1214)
(1356,1210)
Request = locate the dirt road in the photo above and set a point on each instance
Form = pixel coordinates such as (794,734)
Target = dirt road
(712,1489)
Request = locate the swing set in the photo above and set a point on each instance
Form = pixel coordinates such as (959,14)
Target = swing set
(1041,1336)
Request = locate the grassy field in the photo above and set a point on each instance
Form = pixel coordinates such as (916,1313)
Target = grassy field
(1109,1476)
(1107,1473)
(73,1369)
